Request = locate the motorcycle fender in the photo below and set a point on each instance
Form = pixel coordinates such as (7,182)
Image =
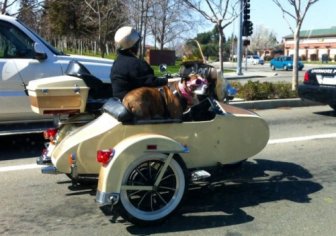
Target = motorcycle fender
(125,152)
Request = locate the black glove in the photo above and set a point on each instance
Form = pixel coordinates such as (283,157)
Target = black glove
(161,81)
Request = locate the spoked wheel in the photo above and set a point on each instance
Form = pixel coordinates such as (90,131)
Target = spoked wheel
(152,188)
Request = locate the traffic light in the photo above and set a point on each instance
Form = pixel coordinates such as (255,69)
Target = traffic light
(247,28)
(246,11)
(247,24)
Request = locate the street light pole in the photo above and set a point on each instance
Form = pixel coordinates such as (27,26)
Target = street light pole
(240,41)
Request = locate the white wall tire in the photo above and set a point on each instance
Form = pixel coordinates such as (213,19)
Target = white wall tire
(145,207)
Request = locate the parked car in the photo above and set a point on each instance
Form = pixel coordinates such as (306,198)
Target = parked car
(25,56)
(319,85)
(254,59)
(285,63)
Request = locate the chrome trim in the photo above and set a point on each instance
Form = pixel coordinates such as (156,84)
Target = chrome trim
(103,198)
(74,122)
(43,160)
(50,170)
(185,149)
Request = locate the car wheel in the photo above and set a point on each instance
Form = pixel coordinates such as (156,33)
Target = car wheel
(155,192)
(273,67)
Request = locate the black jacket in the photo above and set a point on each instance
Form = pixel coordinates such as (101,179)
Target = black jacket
(128,72)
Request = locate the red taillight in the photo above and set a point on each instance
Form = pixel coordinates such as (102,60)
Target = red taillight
(306,78)
(50,134)
(104,156)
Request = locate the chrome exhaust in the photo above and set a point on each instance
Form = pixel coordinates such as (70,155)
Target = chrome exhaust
(51,170)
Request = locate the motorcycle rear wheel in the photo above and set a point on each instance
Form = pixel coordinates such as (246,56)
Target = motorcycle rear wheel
(148,207)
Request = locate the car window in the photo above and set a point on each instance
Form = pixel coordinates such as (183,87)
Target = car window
(51,48)
(14,43)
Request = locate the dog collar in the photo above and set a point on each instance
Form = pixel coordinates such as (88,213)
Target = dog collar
(185,93)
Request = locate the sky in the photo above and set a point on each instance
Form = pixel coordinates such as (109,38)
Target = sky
(320,15)
(264,12)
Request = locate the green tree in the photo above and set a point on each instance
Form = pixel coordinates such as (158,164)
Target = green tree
(65,18)
(28,13)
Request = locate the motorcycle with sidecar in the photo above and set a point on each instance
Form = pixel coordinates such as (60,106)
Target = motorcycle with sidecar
(145,166)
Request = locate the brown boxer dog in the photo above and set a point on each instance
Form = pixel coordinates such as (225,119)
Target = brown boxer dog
(168,102)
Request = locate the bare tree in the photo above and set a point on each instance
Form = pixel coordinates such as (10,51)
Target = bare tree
(108,16)
(6,5)
(162,20)
(221,13)
(297,13)
(138,11)
(169,22)
(29,13)
(262,39)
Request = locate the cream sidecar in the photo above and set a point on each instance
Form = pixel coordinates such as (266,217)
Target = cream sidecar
(145,172)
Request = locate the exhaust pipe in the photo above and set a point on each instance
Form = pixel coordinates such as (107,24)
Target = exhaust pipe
(51,170)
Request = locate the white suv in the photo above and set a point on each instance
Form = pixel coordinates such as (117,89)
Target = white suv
(25,56)
(254,59)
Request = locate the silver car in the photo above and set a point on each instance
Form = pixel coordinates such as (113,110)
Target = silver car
(25,56)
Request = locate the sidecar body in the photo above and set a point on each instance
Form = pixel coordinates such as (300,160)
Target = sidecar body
(225,136)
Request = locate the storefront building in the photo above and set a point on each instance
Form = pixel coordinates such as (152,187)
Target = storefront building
(314,44)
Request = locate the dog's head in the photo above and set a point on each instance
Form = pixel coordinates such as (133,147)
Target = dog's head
(192,85)
(197,84)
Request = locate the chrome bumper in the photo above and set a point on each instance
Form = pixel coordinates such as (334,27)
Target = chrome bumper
(45,158)
(103,198)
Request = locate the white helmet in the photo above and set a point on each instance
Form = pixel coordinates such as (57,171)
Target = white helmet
(126,37)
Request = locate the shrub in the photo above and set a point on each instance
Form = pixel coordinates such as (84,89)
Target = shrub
(265,90)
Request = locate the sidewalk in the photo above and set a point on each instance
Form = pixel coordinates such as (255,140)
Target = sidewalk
(249,75)
(265,104)
(272,103)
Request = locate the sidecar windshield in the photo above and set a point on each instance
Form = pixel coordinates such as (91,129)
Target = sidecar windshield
(204,110)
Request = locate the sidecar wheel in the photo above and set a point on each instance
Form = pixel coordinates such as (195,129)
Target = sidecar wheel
(146,207)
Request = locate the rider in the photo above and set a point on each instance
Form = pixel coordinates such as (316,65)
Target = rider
(128,71)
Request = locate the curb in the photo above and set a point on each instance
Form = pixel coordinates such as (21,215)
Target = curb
(274,103)
(244,77)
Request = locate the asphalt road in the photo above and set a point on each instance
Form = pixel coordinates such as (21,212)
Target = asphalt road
(287,189)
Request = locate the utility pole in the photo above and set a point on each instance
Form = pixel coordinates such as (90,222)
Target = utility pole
(240,40)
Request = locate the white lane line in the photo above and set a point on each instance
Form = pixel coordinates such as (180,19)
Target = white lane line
(19,167)
(271,141)
(303,138)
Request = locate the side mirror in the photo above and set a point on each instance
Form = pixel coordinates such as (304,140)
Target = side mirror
(163,68)
(39,52)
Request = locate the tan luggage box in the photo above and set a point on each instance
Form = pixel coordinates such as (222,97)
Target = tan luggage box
(58,95)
